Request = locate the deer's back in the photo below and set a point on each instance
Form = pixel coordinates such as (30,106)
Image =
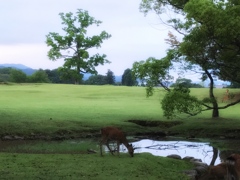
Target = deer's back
(112,133)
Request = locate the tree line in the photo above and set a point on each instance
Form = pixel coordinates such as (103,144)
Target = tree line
(56,76)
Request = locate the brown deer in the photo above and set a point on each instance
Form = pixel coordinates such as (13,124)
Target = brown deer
(229,170)
(226,96)
(114,134)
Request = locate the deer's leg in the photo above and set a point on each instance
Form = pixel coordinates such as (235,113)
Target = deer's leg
(107,144)
(118,147)
(101,143)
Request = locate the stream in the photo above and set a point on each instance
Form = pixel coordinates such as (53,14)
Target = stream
(183,148)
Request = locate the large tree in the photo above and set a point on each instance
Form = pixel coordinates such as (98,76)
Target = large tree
(73,47)
(18,76)
(110,78)
(127,78)
(210,44)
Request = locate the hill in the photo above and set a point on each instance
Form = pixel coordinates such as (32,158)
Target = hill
(27,70)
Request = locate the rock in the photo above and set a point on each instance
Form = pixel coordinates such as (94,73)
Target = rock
(197,163)
(174,156)
(91,151)
(188,158)
(7,138)
(201,169)
(191,174)
(195,160)
(18,138)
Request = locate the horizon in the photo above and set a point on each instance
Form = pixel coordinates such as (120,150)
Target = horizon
(220,82)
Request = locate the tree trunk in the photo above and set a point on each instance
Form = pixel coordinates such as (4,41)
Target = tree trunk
(215,111)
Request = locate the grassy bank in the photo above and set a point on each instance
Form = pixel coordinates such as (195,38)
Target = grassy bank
(92,167)
(75,109)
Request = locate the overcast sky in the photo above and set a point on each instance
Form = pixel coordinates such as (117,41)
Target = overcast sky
(25,24)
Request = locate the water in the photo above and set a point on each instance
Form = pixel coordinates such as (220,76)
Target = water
(198,150)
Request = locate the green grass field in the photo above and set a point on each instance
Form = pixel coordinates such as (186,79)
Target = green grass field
(52,109)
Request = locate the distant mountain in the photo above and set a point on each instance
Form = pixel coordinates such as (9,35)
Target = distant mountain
(16,66)
(27,70)
(118,79)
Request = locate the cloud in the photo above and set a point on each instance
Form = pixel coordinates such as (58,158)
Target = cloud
(25,24)
(31,55)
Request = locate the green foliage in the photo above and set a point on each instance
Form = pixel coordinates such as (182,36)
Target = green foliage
(5,74)
(127,78)
(186,83)
(210,43)
(153,71)
(96,80)
(110,78)
(74,46)
(234,85)
(53,75)
(6,70)
(17,76)
(39,76)
(180,101)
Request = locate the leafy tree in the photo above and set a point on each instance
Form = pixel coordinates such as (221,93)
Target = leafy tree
(96,80)
(186,83)
(17,76)
(234,85)
(5,74)
(54,76)
(210,45)
(39,76)
(6,70)
(110,78)
(128,79)
(74,45)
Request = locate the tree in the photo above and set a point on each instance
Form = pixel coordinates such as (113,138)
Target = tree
(110,78)
(217,36)
(39,76)
(53,75)
(96,80)
(17,76)
(128,79)
(74,46)
(185,83)
(209,45)
(5,74)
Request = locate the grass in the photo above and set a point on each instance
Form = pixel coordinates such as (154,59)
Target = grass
(74,110)
(92,167)
(56,109)
(49,108)
(47,147)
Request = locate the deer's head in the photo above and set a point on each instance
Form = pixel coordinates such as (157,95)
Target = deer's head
(130,150)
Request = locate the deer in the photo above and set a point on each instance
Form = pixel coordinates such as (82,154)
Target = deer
(114,134)
(228,170)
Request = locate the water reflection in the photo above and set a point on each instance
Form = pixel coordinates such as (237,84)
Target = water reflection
(198,150)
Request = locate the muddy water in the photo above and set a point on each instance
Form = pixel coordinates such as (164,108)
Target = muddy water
(168,146)
(198,150)
(183,148)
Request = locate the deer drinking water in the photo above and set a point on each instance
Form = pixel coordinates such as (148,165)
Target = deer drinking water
(114,134)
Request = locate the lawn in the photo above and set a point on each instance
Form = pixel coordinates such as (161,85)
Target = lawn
(54,109)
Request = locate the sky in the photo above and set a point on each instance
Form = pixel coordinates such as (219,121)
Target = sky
(135,37)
